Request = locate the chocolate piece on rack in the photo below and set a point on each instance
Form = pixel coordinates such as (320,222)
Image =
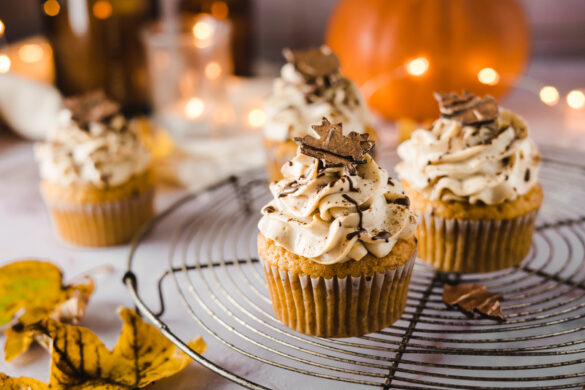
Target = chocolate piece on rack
(473,298)
(91,107)
(313,63)
(335,149)
(467,108)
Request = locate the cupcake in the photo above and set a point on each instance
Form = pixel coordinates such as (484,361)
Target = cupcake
(310,87)
(337,241)
(473,179)
(96,177)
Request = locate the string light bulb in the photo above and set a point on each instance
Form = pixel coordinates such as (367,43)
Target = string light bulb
(488,76)
(417,67)
(549,95)
(194,108)
(576,99)
(256,117)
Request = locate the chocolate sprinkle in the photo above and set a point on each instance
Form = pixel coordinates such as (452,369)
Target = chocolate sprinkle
(467,108)
(473,298)
(381,236)
(269,209)
(400,201)
(289,189)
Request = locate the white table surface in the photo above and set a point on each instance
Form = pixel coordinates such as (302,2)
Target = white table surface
(25,232)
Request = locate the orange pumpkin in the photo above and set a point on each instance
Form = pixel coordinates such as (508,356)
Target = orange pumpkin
(375,38)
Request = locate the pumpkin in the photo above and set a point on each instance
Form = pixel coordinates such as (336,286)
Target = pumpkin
(375,38)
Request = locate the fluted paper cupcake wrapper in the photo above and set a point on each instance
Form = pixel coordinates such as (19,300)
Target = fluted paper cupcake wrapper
(338,307)
(101,224)
(472,246)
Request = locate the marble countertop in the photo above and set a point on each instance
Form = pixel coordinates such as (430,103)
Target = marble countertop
(25,232)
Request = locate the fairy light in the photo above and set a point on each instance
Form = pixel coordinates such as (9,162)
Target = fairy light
(256,117)
(102,9)
(488,76)
(194,108)
(212,70)
(4,63)
(576,99)
(549,95)
(417,67)
(30,53)
(51,7)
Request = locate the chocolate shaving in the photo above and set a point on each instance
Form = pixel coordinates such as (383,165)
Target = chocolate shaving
(473,298)
(289,189)
(269,209)
(527,175)
(467,108)
(400,201)
(381,236)
(91,107)
(334,148)
(314,62)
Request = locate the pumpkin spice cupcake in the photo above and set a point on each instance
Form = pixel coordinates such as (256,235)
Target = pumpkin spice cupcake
(337,241)
(310,87)
(96,177)
(473,179)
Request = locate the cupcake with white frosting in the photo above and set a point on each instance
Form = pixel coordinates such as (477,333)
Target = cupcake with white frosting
(96,174)
(337,240)
(309,88)
(473,178)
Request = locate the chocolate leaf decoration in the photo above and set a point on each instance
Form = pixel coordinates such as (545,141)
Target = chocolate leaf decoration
(334,148)
(467,108)
(80,361)
(91,107)
(313,63)
(473,298)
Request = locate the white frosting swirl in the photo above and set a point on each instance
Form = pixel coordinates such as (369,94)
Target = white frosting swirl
(107,154)
(330,217)
(492,163)
(290,114)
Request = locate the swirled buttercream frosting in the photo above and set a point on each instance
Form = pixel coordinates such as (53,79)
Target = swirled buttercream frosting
(311,87)
(475,153)
(93,145)
(335,204)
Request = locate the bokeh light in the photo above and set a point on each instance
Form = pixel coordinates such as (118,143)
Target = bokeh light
(417,67)
(576,99)
(549,95)
(4,63)
(194,108)
(30,53)
(51,7)
(212,70)
(256,117)
(102,9)
(488,76)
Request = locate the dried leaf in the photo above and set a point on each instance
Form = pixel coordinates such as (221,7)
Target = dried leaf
(80,361)
(334,148)
(7,383)
(473,298)
(37,288)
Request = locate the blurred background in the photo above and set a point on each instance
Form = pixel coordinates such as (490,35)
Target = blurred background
(204,68)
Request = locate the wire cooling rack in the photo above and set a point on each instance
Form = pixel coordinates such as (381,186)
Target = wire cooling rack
(212,268)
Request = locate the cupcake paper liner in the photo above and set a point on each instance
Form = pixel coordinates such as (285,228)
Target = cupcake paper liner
(101,224)
(473,246)
(338,307)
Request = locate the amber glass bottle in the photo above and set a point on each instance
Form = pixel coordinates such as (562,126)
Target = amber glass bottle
(96,45)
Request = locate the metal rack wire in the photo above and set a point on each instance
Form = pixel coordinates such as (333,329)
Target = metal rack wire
(213,269)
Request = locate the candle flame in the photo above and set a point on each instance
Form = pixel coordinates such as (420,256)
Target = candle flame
(194,108)
(4,63)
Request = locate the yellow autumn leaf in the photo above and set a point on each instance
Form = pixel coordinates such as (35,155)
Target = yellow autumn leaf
(80,361)
(36,288)
(7,383)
